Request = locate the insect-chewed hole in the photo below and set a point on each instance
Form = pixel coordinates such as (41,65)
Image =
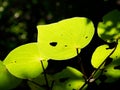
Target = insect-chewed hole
(69,84)
(53,44)
(86,37)
(73,89)
(117,67)
(65,45)
(63,79)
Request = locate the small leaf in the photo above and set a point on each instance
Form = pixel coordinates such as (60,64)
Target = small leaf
(7,81)
(100,54)
(69,79)
(60,40)
(111,71)
(25,61)
(109,29)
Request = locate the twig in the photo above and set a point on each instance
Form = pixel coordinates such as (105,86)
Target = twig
(46,80)
(95,71)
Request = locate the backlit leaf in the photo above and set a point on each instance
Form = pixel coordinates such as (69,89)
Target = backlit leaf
(69,79)
(25,61)
(112,71)
(100,54)
(109,29)
(7,81)
(61,40)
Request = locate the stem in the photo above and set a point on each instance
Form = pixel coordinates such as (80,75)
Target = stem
(95,71)
(52,85)
(35,83)
(81,64)
(46,80)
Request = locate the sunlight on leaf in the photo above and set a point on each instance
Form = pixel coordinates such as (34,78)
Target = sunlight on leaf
(112,71)
(24,61)
(7,81)
(60,40)
(69,79)
(41,81)
(109,29)
(100,54)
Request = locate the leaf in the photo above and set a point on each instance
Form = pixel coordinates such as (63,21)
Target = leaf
(41,82)
(61,40)
(6,79)
(112,71)
(100,54)
(109,29)
(69,79)
(25,61)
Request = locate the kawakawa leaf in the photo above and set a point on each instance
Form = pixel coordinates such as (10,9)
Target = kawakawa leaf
(25,61)
(112,71)
(61,40)
(68,79)
(7,81)
(100,54)
(109,29)
(41,82)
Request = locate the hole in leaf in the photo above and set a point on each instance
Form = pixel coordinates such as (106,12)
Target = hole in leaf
(63,79)
(73,89)
(117,67)
(69,85)
(105,70)
(86,37)
(53,44)
(108,61)
(65,45)
(116,56)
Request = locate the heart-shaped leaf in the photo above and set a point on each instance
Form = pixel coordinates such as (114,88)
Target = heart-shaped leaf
(61,40)
(68,79)
(25,61)
(7,81)
(100,54)
(109,29)
(112,71)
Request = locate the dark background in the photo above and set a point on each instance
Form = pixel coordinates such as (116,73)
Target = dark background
(19,18)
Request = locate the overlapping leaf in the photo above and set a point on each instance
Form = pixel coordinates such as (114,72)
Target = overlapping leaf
(25,61)
(109,29)
(112,71)
(7,81)
(60,40)
(100,54)
(68,79)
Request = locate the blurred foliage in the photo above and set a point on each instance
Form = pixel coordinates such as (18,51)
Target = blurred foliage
(19,18)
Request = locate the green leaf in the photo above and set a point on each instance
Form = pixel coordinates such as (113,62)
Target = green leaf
(7,81)
(112,71)
(69,79)
(100,54)
(25,61)
(109,29)
(41,82)
(61,40)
